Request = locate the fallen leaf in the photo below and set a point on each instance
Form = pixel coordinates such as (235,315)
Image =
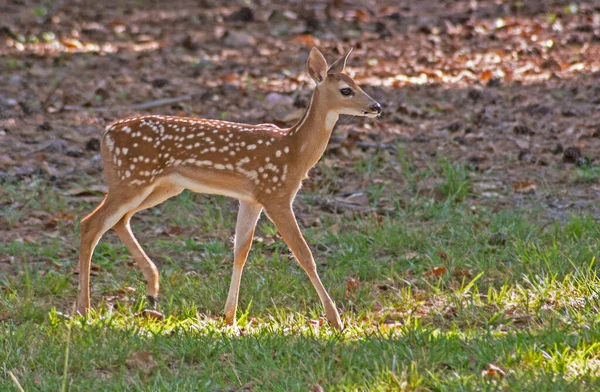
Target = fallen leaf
(492,371)
(71,43)
(4,316)
(150,314)
(462,273)
(442,255)
(411,255)
(6,161)
(524,187)
(126,290)
(437,272)
(352,286)
(392,324)
(142,361)
(317,323)
(360,199)
(306,40)
(486,75)
(175,230)
(362,16)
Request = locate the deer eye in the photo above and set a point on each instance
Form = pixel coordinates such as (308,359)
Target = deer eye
(346,92)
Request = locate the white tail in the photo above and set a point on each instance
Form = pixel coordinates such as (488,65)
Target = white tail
(152,158)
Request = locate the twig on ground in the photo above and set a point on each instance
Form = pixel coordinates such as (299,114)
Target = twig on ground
(17,385)
(336,206)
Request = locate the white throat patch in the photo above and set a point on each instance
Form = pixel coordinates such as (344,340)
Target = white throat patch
(331,119)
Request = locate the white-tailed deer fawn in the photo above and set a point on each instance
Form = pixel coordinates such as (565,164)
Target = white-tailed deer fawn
(149,159)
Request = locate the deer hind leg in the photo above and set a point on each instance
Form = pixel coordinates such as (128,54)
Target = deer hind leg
(116,204)
(244,231)
(283,217)
(123,230)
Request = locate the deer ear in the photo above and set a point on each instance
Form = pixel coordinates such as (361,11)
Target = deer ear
(316,66)
(340,64)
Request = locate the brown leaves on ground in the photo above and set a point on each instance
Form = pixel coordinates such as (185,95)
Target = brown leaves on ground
(142,361)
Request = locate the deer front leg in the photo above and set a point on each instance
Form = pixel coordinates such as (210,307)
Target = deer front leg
(244,231)
(283,217)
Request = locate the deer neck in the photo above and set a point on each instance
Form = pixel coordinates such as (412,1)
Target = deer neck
(311,134)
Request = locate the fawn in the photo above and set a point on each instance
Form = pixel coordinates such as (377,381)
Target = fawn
(149,159)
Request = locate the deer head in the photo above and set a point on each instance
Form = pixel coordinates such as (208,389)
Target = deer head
(340,92)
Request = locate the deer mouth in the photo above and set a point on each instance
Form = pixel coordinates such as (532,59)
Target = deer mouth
(372,114)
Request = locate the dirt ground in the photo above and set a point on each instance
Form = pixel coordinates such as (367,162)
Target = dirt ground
(511,89)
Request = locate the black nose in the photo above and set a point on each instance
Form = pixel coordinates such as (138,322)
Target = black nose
(376,108)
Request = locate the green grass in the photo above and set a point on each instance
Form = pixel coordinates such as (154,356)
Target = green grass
(587,174)
(439,298)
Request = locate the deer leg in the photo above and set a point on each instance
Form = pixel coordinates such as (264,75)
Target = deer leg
(93,227)
(123,230)
(284,219)
(244,231)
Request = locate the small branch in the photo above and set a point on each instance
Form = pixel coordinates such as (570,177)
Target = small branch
(16,381)
(378,146)
(160,102)
(137,106)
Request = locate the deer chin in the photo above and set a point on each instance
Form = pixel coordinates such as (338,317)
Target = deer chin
(357,112)
(371,114)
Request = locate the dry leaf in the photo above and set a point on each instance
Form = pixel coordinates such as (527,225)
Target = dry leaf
(486,75)
(462,273)
(524,187)
(71,43)
(6,161)
(442,255)
(362,16)
(126,290)
(352,286)
(317,323)
(437,272)
(392,324)
(411,255)
(359,199)
(493,371)
(306,40)
(142,361)
(4,315)
(150,314)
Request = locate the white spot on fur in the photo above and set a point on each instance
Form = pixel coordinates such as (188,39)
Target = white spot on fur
(110,143)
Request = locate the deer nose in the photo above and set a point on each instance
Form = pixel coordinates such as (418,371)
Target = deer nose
(376,108)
